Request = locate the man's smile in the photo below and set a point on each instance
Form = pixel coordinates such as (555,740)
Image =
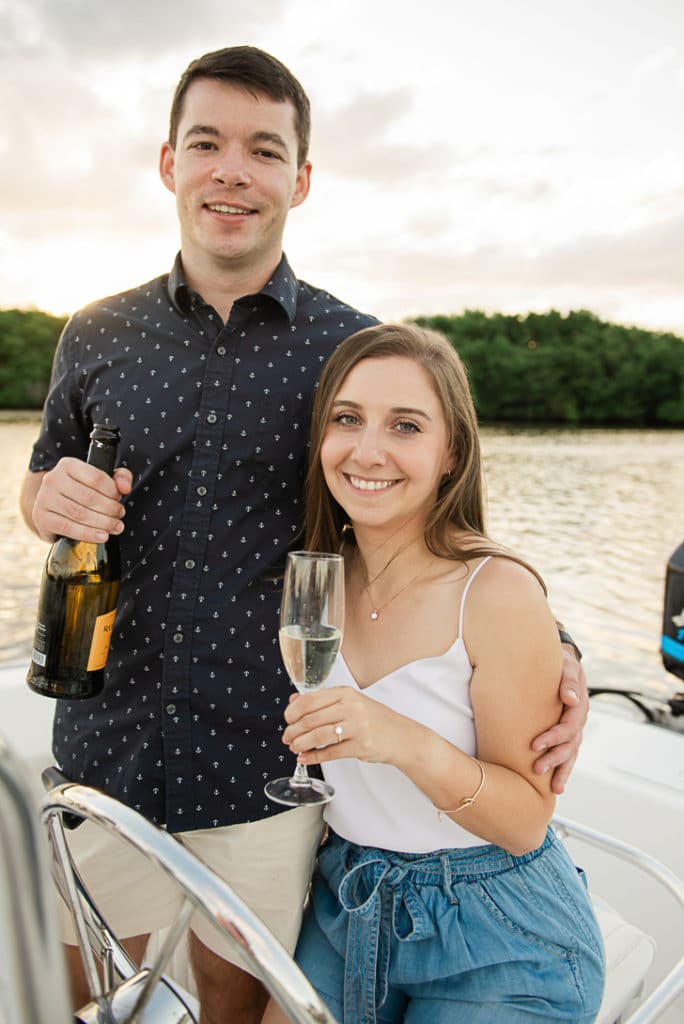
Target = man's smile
(229,208)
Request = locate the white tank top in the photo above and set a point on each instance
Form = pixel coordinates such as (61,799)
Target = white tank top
(376,804)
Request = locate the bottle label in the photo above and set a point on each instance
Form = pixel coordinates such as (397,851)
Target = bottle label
(39,652)
(102,637)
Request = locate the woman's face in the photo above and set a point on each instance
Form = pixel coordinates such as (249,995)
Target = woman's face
(384,449)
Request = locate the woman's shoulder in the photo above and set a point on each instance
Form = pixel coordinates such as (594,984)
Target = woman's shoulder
(502,563)
(506,607)
(500,577)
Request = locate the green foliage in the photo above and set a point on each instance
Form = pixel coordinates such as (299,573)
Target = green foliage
(568,369)
(28,339)
(543,367)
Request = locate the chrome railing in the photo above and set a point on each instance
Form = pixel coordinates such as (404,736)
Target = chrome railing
(203,891)
(32,975)
(672,985)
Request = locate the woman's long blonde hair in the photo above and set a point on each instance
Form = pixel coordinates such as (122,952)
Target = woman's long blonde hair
(460,504)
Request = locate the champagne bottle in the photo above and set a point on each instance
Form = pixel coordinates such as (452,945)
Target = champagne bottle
(77,602)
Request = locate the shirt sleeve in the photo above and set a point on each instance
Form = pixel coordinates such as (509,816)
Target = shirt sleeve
(63,431)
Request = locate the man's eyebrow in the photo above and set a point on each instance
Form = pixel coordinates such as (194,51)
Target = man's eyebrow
(202,129)
(262,136)
(273,137)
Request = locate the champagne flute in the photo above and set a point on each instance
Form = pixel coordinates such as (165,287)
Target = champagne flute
(310,634)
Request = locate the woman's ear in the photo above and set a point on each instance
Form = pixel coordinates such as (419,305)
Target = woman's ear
(448,470)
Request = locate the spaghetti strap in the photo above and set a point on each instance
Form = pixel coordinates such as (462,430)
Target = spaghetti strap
(465,591)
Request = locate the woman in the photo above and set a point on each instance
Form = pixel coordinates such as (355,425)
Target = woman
(440,894)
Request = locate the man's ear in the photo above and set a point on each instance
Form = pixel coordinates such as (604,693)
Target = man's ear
(302,184)
(167,163)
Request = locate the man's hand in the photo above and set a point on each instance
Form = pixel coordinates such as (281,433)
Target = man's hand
(560,745)
(75,500)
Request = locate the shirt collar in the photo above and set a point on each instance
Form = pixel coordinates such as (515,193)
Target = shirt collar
(282,288)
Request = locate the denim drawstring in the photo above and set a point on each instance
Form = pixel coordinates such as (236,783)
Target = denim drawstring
(376,894)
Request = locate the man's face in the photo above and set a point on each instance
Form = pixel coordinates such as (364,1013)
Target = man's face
(235,177)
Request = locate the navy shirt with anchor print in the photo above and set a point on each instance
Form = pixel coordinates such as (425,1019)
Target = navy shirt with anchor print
(214,424)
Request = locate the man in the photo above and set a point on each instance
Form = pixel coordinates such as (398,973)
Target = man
(208,372)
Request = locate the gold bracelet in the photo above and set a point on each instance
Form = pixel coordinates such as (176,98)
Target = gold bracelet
(467,801)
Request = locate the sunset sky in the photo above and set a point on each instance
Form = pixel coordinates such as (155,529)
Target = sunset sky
(506,155)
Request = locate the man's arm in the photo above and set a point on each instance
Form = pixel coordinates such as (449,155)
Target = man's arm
(559,746)
(74,500)
(27,498)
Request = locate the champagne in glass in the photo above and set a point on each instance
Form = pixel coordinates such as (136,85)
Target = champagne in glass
(310,634)
(308,658)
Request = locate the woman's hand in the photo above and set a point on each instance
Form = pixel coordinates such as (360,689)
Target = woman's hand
(340,722)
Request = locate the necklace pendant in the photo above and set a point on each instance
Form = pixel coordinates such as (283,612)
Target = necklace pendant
(374,614)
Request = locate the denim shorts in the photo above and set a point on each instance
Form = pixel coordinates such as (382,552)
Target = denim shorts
(474,935)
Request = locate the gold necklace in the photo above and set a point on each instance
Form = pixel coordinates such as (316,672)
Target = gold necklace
(399,551)
(375,610)
(369,583)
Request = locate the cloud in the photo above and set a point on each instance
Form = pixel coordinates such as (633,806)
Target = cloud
(92,84)
(507,177)
(68,153)
(354,141)
(648,257)
(420,275)
(655,62)
(90,32)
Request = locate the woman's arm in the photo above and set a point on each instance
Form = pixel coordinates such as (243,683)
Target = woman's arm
(513,644)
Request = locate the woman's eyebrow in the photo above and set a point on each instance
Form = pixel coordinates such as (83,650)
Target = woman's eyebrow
(400,410)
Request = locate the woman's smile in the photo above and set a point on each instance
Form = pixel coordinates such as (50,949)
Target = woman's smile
(365,484)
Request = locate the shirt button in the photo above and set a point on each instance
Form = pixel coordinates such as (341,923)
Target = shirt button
(178,638)
(190,563)
(171,709)
(221,350)
(212,417)
(201,490)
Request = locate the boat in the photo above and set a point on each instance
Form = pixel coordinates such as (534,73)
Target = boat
(621,818)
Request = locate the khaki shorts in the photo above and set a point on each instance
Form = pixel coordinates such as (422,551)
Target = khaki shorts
(268,863)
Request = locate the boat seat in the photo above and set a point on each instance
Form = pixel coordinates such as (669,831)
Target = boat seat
(629,955)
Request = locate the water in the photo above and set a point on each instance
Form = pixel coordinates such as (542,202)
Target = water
(597,512)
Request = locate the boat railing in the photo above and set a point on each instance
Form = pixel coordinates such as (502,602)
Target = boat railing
(203,892)
(32,974)
(672,985)
(34,989)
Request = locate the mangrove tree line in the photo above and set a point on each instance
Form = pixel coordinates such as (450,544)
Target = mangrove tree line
(542,367)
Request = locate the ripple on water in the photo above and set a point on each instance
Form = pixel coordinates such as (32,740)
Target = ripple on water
(597,512)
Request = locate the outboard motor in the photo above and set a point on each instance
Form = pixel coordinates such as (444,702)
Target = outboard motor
(672,643)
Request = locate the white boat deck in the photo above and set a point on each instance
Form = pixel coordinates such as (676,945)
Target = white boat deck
(628,782)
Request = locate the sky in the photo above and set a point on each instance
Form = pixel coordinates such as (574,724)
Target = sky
(503,155)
